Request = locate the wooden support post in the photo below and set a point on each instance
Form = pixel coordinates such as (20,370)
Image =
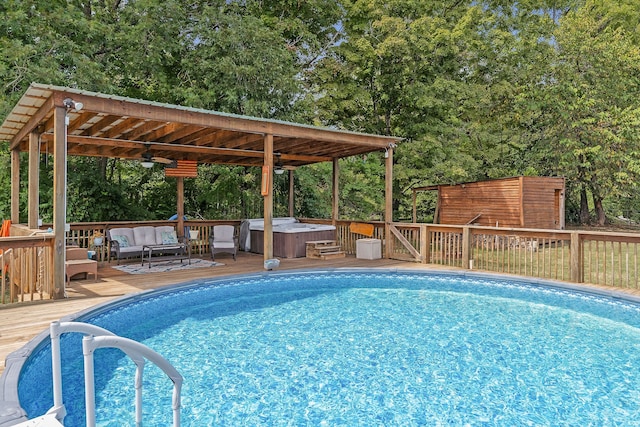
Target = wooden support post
(60,199)
(575,251)
(415,207)
(388,205)
(335,206)
(467,257)
(267,185)
(180,205)
(34,180)
(291,194)
(15,186)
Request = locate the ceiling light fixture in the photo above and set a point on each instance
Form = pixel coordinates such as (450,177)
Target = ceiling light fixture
(147,164)
(391,146)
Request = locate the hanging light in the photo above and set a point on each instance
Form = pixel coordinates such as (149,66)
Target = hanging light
(391,146)
(147,158)
(278,170)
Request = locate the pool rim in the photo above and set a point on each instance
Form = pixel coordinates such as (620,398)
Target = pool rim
(11,412)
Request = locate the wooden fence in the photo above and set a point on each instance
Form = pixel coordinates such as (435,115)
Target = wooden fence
(601,258)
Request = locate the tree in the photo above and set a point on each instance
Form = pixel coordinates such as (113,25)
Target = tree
(243,57)
(591,95)
(443,75)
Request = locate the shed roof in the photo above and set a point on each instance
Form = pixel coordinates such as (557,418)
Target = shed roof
(120,127)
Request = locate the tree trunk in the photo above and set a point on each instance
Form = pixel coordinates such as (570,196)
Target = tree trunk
(584,207)
(600,214)
(596,194)
(102,162)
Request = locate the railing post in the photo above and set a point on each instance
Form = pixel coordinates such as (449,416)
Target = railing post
(466,248)
(425,244)
(575,251)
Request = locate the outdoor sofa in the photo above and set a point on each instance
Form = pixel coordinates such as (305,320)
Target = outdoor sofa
(130,242)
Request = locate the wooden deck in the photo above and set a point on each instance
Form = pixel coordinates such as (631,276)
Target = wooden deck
(19,323)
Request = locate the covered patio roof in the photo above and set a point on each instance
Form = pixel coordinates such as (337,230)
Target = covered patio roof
(65,121)
(119,127)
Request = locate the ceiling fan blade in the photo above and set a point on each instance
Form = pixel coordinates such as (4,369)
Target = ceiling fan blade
(162,160)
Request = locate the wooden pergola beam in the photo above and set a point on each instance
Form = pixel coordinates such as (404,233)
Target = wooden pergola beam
(95,146)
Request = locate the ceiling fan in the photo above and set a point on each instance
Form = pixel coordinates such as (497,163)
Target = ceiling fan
(148,159)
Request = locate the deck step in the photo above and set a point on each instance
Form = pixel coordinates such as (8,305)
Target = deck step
(332,255)
(324,249)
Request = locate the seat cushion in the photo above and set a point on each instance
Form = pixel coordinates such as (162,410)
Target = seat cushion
(145,235)
(166,235)
(223,233)
(224,245)
(131,250)
(121,235)
(168,238)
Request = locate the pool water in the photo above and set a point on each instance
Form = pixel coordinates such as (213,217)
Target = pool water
(362,349)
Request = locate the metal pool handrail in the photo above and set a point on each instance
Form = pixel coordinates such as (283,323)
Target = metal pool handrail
(97,337)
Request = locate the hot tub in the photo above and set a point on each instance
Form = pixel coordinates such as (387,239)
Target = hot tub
(258,224)
(289,239)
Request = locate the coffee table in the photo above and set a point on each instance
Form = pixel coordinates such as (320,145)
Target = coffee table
(174,252)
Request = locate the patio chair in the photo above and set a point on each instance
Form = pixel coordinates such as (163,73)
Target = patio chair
(223,239)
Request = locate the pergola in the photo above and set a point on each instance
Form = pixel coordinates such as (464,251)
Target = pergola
(66,121)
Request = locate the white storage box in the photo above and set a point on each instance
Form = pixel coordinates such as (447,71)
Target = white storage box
(368,249)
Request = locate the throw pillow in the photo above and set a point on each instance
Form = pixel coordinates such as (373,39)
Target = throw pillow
(122,241)
(169,237)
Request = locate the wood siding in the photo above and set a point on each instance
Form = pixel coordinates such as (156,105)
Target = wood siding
(543,199)
(529,202)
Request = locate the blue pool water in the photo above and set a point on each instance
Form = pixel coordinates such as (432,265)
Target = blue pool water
(362,349)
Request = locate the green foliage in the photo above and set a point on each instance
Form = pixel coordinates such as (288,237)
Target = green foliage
(5,182)
(588,107)
(477,89)
(239,57)
(358,176)
(313,193)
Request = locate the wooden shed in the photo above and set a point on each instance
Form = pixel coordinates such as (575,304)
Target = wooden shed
(517,202)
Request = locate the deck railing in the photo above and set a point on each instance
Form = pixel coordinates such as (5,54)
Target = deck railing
(26,260)
(602,258)
(26,257)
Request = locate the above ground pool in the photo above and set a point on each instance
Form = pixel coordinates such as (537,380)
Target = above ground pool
(355,348)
